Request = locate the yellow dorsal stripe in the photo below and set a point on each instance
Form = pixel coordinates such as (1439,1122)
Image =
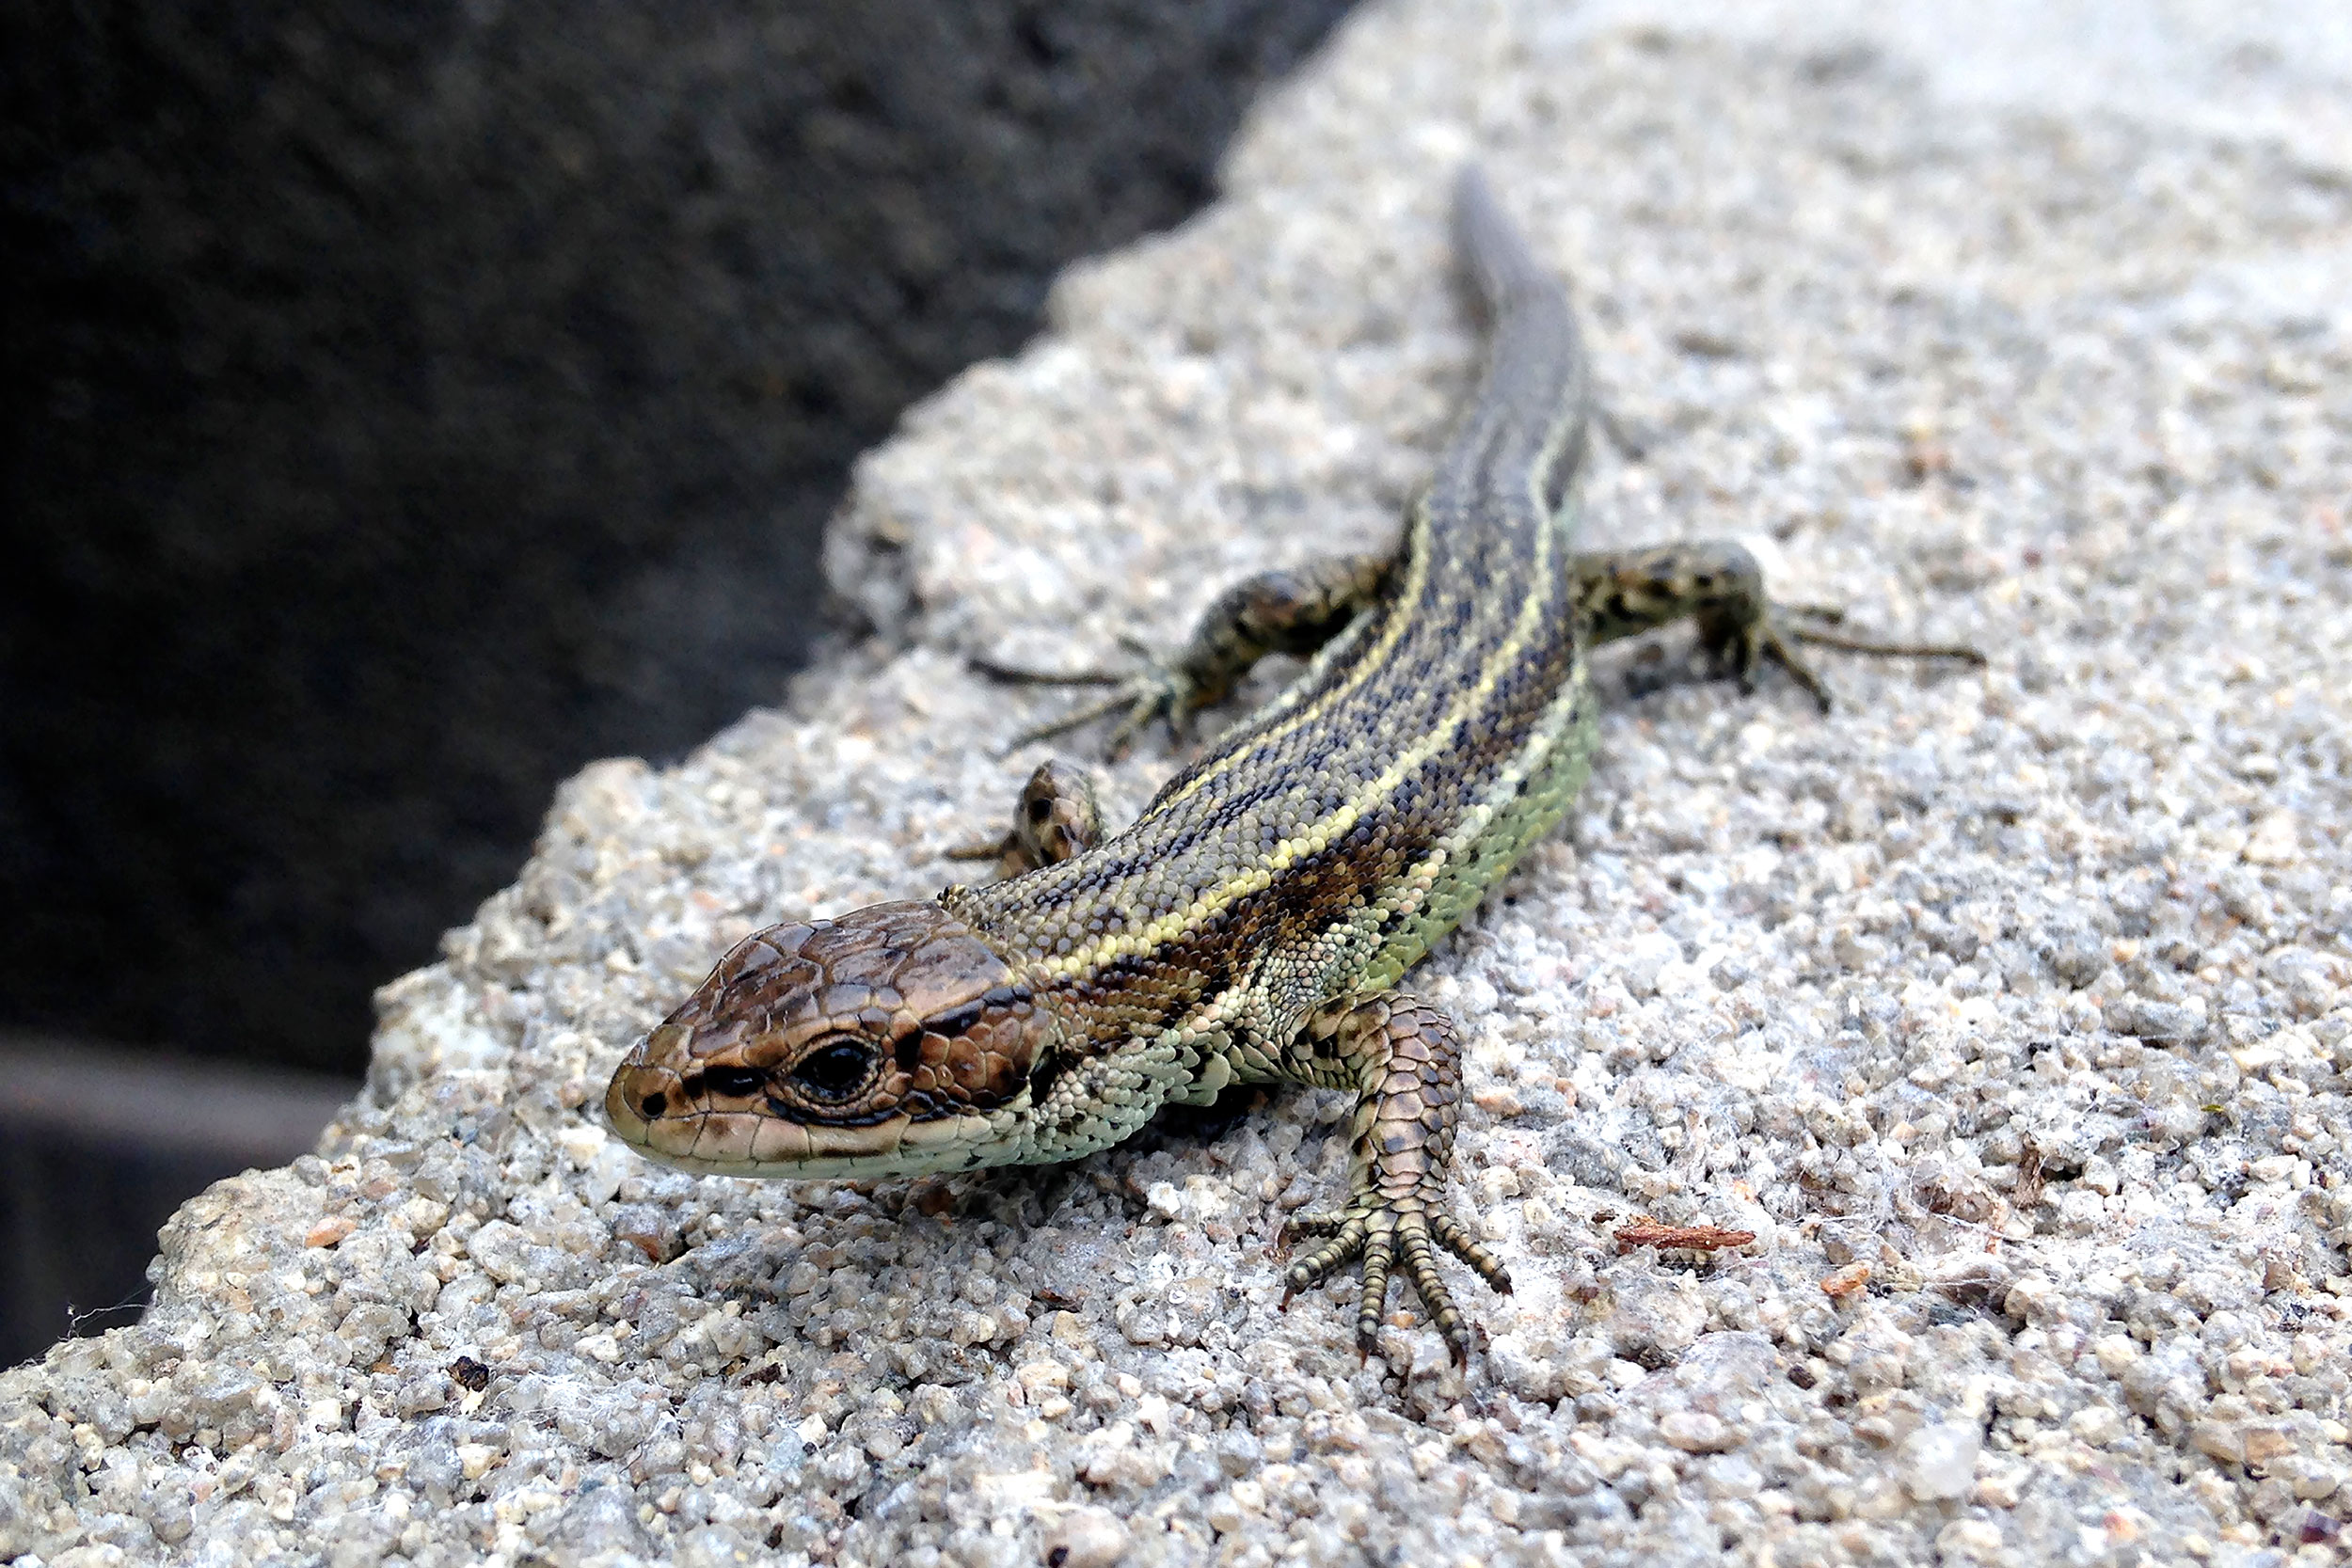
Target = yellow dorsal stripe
(1304,712)
(1499,662)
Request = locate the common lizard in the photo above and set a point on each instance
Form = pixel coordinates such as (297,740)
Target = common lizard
(1253,923)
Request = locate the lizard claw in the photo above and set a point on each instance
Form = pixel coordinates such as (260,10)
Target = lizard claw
(1385,1233)
(1772,638)
(1152,692)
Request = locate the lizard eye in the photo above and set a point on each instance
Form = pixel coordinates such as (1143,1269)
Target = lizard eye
(835,1073)
(736,1081)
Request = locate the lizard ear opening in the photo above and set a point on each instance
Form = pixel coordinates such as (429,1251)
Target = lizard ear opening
(1051,1064)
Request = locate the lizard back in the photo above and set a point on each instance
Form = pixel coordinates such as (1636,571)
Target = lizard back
(1319,847)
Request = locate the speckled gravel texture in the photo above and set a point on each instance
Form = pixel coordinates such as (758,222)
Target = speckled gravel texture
(2007,1008)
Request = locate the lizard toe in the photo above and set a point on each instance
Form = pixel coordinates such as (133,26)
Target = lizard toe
(1347,1240)
(1379,1260)
(1392,1236)
(1452,1236)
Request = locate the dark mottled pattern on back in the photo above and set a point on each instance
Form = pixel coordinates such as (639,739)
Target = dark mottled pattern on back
(1468,646)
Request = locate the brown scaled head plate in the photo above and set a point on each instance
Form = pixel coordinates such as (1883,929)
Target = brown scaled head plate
(894,1014)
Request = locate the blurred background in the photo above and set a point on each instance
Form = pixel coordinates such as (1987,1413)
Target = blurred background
(404,403)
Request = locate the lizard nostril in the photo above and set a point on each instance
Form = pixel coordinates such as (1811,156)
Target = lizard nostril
(654,1104)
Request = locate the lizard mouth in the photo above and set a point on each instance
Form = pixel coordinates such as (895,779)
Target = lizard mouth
(758,1142)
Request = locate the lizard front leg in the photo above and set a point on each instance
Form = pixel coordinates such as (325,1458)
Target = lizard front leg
(1403,1057)
(1056,817)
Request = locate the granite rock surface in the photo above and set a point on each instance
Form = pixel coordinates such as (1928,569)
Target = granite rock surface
(2007,1008)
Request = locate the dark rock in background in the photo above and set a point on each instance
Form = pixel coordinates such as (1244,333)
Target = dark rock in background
(405,403)
(98,1147)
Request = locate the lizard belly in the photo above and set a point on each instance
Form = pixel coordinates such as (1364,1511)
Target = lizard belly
(1488,843)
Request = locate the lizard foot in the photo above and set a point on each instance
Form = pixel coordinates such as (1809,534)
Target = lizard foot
(1719,584)
(1292,609)
(1385,1233)
(1771,638)
(1154,691)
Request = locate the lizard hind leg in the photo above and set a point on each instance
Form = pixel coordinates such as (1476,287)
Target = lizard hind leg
(1403,1057)
(1293,610)
(1718,584)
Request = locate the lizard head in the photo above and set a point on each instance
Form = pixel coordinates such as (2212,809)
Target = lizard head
(888,1041)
